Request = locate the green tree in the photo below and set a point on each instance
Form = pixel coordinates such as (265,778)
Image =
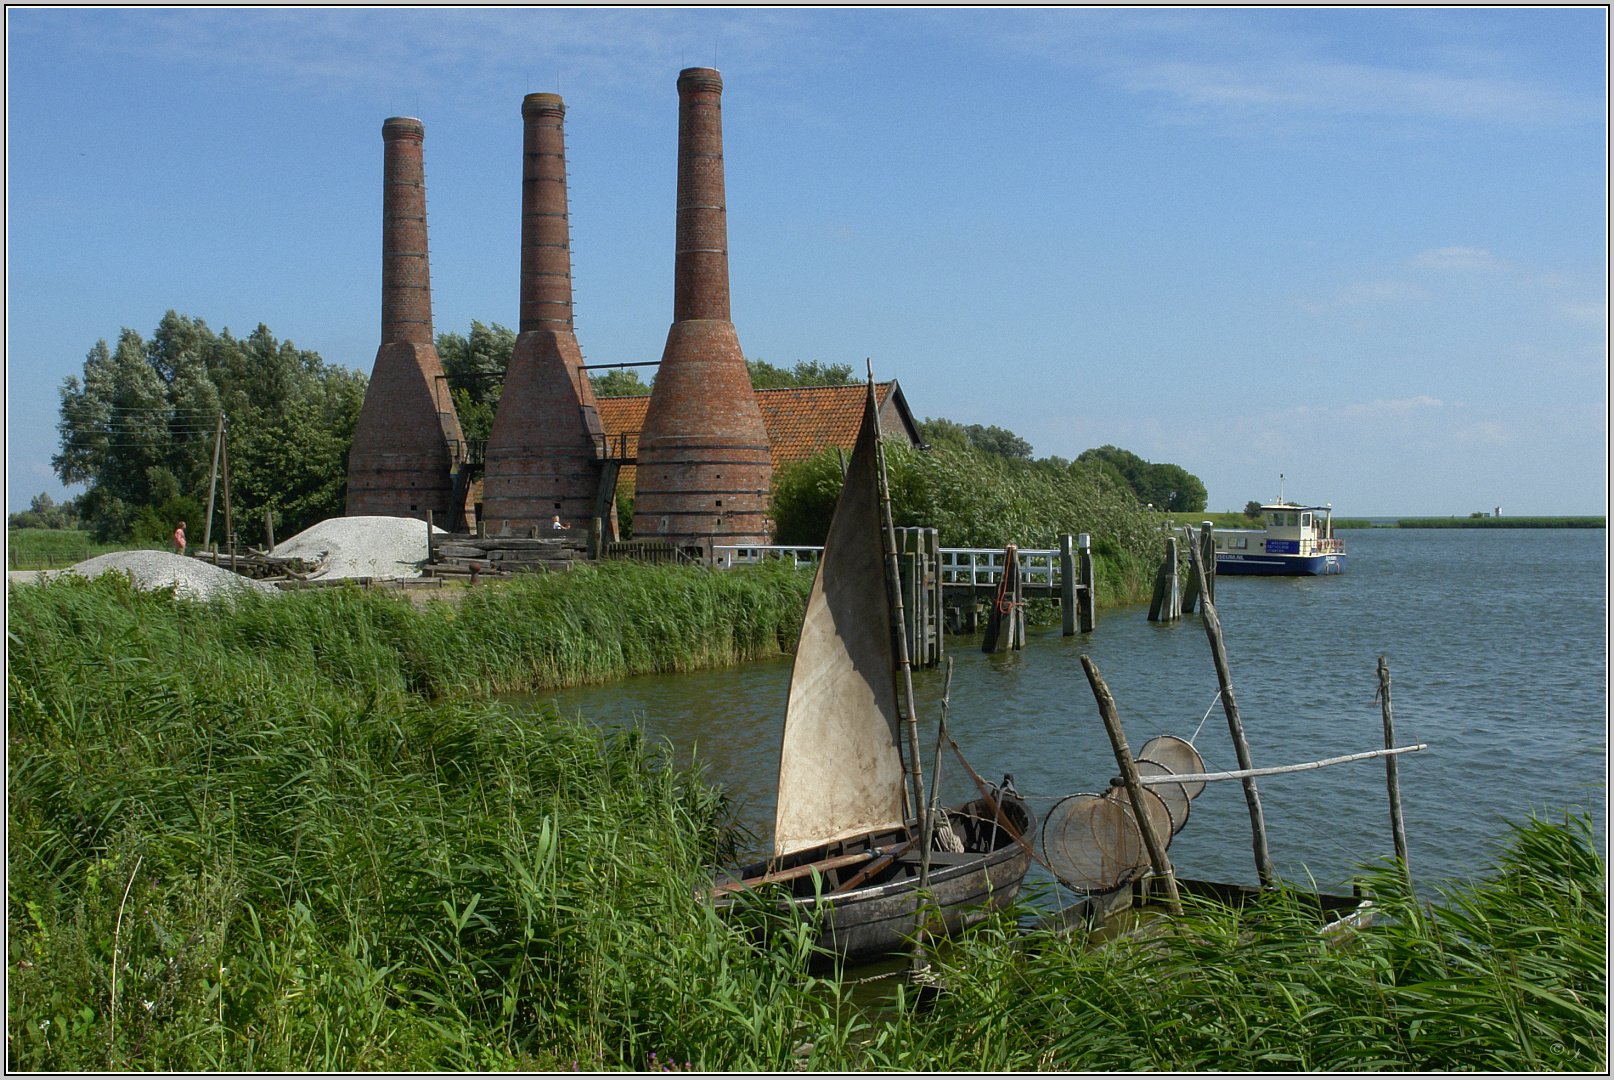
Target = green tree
(1252,509)
(475,364)
(949,435)
(139,430)
(620,382)
(1163,486)
(766,376)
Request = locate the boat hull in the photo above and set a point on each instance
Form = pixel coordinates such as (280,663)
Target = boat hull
(1280,565)
(883,915)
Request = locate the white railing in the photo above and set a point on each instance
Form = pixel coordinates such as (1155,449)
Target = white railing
(1039,568)
(728,556)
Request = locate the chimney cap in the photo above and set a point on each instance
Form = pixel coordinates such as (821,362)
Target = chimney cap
(542,103)
(402,127)
(697,79)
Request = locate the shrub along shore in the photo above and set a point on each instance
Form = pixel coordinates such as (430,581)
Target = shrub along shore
(292,835)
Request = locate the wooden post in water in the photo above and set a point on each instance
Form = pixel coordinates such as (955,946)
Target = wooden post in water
(1190,592)
(1207,557)
(1084,550)
(1166,606)
(1067,586)
(1134,786)
(1213,632)
(1392,776)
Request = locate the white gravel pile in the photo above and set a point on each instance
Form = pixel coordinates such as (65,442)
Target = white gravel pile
(191,578)
(379,547)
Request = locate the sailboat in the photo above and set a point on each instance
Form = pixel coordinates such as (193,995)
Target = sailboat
(849,839)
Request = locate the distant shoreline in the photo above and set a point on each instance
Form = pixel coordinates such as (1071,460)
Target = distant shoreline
(1567,522)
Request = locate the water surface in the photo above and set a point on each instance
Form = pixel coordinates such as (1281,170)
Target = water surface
(1497,646)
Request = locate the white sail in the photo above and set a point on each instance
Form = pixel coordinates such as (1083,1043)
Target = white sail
(840,769)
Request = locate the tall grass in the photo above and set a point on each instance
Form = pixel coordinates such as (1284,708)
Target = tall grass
(247,841)
(291,871)
(1508,974)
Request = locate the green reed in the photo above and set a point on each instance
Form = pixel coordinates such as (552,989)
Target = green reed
(267,837)
(1505,974)
(223,857)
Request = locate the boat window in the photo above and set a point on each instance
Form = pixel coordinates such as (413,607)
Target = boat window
(1305,521)
(1241,541)
(1276,519)
(1294,519)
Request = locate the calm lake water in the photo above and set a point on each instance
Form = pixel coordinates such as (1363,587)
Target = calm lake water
(1497,646)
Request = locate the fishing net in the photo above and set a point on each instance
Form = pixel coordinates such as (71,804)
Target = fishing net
(1174,796)
(1178,756)
(1092,843)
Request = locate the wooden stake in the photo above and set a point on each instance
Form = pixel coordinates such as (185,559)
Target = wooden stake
(1067,586)
(212,485)
(1134,788)
(1084,548)
(1213,632)
(1392,778)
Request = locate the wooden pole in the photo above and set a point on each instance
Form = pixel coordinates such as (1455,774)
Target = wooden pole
(1278,770)
(1190,593)
(1207,557)
(1392,777)
(1067,587)
(1213,632)
(229,521)
(1134,789)
(269,525)
(1084,548)
(212,485)
(894,586)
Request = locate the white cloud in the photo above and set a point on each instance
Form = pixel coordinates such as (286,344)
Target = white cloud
(1457,258)
(1589,312)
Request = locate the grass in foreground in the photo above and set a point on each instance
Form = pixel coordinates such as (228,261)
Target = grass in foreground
(229,851)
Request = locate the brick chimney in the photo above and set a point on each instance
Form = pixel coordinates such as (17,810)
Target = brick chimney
(704,467)
(408,442)
(542,456)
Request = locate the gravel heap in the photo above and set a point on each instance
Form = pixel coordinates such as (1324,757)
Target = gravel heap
(191,578)
(380,547)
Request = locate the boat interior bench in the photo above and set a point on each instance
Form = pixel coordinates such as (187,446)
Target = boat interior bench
(940,858)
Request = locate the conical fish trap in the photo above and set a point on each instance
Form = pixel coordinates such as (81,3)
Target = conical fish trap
(1179,756)
(1174,796)
(1092,843)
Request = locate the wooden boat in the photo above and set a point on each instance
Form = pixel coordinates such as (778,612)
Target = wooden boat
(848,835)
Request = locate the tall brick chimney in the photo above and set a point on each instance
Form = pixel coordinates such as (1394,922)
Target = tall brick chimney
(541,458)
(408,439)
(704,467)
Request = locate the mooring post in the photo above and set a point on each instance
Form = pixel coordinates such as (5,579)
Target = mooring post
(1235,727)
(1190,591)
(1084,548)
(1207,557)
(1134,787)
(1067,586)
(1392,776)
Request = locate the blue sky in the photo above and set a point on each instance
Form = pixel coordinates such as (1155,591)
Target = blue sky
(1363,248)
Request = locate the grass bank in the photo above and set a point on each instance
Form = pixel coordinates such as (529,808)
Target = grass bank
(1503,523)
(44,549)
(237,849)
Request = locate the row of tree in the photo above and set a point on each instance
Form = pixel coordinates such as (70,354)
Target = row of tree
(138,428)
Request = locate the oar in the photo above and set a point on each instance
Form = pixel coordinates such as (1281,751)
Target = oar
(873,868)
(800,871)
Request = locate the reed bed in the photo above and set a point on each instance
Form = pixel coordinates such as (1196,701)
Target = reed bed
(272,838)
(1507,974)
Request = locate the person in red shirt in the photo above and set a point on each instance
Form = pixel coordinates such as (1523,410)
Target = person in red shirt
(179,539)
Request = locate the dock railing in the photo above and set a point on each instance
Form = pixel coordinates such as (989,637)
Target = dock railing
(1039,569)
